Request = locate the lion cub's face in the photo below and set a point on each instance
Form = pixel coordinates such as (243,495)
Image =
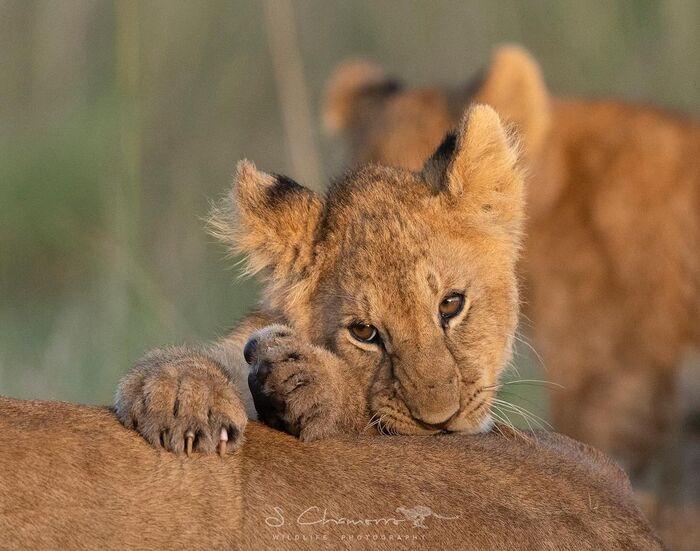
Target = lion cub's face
(408,276)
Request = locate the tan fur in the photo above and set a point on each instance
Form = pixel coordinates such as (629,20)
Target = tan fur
(384,248)
(611,259)
(73,478)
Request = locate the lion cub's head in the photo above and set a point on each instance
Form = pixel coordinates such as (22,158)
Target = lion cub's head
(408,276)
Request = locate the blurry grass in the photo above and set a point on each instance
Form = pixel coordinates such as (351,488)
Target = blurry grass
(121,120)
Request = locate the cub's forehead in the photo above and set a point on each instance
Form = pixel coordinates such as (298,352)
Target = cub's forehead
(382,224)
(374,187)
(401,271)
(376,202)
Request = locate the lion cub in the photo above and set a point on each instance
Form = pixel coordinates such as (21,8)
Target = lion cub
(390,304)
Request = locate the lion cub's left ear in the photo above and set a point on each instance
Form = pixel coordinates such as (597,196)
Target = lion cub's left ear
(477,170)
(269,218)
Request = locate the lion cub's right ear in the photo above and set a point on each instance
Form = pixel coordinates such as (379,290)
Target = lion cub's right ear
(477,170)
(269,218)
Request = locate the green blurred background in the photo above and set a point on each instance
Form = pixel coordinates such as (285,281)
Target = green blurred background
(120,122)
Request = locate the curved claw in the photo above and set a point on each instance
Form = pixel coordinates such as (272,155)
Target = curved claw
(189,442)
(223,439)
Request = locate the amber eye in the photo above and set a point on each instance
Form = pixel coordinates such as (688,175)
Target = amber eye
(364,332)
(451,306)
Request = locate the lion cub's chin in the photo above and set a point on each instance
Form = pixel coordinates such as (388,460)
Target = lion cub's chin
(397,426)
(467,426)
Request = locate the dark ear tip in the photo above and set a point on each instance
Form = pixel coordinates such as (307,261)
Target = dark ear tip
(435,167)
(446,149)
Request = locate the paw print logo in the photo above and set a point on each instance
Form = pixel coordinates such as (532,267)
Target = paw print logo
(419,513)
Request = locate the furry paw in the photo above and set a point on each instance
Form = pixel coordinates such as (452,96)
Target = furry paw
(294,384)
(182,401)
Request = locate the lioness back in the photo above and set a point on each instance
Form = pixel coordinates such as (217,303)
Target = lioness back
(74,478)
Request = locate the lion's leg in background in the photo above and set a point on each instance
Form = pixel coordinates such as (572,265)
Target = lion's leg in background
(614,343)
(630,410)
(609,340)
(612,391)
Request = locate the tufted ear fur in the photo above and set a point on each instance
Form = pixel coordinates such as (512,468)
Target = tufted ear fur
(514,87)
(354,92)
(477,167)
(269,218)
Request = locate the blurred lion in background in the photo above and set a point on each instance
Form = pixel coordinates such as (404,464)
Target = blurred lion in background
(611,264)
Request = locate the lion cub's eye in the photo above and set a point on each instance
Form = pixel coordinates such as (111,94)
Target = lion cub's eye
(451,306)
(364,332)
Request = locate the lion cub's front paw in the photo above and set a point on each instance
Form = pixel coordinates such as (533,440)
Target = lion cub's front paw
(294,384)
(182,401)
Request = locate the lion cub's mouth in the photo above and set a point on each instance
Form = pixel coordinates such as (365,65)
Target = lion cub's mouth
(395,419)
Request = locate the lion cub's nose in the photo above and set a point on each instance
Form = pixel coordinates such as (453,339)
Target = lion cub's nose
(435,405)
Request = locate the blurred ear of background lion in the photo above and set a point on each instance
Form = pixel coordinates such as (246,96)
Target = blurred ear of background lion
(613,237)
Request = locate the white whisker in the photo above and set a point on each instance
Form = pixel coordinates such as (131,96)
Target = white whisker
(524,413)
(508,408)
(531,348)
(503,418)
(531,382)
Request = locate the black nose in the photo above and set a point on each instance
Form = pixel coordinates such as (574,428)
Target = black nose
(250,351)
